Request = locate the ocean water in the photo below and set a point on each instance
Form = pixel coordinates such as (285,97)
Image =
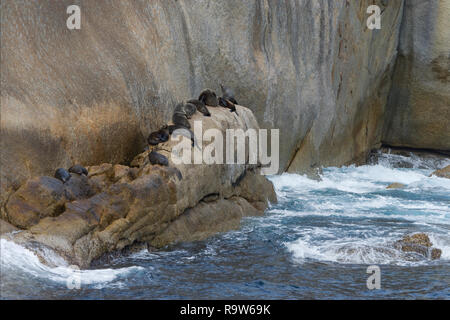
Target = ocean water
(316,243)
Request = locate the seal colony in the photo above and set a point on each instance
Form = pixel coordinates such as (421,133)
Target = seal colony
(182,113)
(151,202)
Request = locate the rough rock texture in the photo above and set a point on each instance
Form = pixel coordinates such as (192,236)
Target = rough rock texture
(396,185)
(148,203)
(443,173)
(42,197)
(419,243)
(6,227)
(310,68)
(419,104)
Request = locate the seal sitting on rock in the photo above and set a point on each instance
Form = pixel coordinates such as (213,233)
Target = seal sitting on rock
(188,109)
(62,174)
(209,98)
(227,104)
(157,158)
(228,94)
(180,119)
(201,107)
(78,169)
(160,136)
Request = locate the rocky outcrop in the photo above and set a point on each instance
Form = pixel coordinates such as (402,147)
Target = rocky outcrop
(443,173)
(309,68)
(6,227)
(396,185)
(418,243)
(117,206)
(419,103)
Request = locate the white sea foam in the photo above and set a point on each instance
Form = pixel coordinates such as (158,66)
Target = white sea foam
(15,258)
(360,192)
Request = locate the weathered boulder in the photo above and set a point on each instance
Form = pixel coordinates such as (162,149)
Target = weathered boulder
(443,173)
(148,203)
(396,185)
(418,243)
(37,198)
(44,196)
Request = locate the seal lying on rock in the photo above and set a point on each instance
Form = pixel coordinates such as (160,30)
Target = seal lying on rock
(201,107)
(227,104)
(78,169)
(62,174)
(160,136)
(188,109)
(209,98)
(157,158)
(228,94)
(181,120)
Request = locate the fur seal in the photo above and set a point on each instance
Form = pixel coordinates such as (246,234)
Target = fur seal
(227,104)
(78,169)
(162,135)
(180,119)
(62,174)
(201,107)
(228,94)
(188,109)
(157,158)
(209,98)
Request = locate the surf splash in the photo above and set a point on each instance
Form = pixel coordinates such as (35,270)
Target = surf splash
(316,243)
(363,218)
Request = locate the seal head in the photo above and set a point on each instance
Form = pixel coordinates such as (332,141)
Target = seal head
(62,174)
(209,98)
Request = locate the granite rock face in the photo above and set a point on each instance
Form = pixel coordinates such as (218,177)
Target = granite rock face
(157,205)
(418,112)
(309,68)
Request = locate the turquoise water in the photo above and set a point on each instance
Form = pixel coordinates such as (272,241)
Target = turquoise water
(316,243)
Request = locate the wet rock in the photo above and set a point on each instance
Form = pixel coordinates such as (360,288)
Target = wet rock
(443,173)
(396,185)
(418,243)
(436,253)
